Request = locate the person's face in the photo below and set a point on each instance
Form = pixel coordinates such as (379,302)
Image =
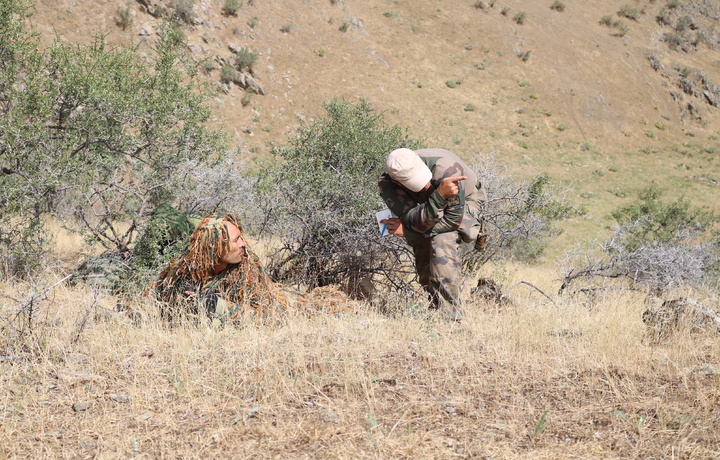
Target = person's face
(237,245)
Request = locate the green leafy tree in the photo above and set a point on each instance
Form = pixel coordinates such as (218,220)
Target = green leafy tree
(321,194)
(649,220)
(93,135)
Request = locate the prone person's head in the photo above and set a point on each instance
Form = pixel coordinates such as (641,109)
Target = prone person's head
(218,241)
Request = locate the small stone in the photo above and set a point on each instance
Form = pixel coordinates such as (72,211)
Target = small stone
(450,410)
(469,47)
(329,417)
(707,370)
(118,398)
(81,406)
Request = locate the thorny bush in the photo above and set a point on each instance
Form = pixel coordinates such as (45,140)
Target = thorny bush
(655,246)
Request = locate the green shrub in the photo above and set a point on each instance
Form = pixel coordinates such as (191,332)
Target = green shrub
(673,40)
(520,17)
(123,17)
(344,27)
(247,97)
(252,22)
(655,244)
(505,11)
(321,194)
(663,17)
(94,138)
(184,11)
(480,5)
(558,6)
(286,28)
(245,59)
(649,219)
(207,65)
(621,28)
(227,74)
(629,12)
(231,7)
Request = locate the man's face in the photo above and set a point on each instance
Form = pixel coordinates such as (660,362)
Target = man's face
(237,245)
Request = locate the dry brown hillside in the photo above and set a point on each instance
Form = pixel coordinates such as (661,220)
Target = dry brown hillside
(607,106)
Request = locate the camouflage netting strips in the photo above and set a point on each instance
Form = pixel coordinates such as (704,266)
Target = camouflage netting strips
(238,293)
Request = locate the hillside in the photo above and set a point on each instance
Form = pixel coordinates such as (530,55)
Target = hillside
(605,107)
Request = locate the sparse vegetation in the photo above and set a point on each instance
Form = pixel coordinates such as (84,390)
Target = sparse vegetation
(227,74)
(505,11)
(252,22)
(480,5)
(524,55)
(231,7)
(558,6)
(184,11)
(627,11)
(344,27)
(245,59)
(520,17)
(286,28)
(123,17)
(620,27)
(247,97)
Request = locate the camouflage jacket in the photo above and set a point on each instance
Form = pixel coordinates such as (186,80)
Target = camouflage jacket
(426,213)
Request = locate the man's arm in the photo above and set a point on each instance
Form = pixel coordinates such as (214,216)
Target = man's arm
(437,215)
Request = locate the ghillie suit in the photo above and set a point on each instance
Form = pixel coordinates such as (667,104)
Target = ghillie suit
(241,292)
(165,236)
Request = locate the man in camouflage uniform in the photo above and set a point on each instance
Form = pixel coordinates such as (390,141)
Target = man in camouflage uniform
(438,200)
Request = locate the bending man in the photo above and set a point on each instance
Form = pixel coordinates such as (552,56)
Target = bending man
(438,200)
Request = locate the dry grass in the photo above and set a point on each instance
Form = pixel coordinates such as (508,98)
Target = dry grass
(537,380)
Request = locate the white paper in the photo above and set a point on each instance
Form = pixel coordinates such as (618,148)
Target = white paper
(381,215)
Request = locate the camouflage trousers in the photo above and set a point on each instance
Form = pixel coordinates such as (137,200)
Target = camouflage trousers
(437,261)
(437,258)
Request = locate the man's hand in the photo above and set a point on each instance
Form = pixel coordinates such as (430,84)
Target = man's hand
(394,226)
(448,187)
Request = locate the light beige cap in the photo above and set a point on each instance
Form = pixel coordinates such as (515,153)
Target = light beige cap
(406,167)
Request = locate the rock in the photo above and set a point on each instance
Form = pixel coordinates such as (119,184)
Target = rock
(490,291)
(118,398)
(328,416)
(81,406)
(678,314)
(254,85)
(707,370)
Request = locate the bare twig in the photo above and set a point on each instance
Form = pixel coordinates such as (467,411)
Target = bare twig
(533,286)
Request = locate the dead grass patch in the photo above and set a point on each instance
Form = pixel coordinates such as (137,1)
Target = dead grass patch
(537,380)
